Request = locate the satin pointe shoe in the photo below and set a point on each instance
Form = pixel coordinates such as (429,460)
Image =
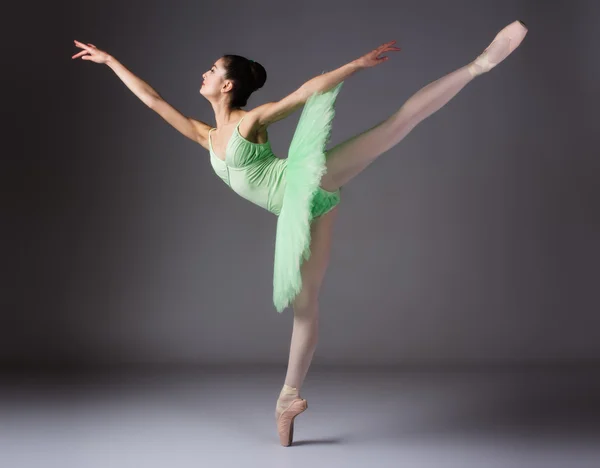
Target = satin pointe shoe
(505,42)
(285,420)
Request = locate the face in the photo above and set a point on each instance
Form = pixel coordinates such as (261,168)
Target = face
(213,79)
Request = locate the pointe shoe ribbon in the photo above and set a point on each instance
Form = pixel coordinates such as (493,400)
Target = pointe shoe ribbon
(285,421)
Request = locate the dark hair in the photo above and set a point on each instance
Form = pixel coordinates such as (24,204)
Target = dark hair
(247,76)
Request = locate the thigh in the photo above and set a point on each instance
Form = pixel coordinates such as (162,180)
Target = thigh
(347,159)
(313,270)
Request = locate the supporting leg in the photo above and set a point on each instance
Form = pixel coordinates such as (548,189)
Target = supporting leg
(306,304)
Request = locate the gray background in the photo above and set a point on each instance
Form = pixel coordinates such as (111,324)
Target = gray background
(474,240)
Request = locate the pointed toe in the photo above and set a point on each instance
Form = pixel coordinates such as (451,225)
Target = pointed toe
(285,421)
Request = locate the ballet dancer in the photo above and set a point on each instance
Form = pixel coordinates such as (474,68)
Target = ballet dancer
(302,190)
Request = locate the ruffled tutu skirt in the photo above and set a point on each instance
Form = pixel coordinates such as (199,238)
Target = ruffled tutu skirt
(303,199)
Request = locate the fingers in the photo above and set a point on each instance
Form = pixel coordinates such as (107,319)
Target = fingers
(83,52)
(87,49)
(387,44)
(83,46)
(387,47)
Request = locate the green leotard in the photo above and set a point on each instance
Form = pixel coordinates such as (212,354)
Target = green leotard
(288,188)
(254,172)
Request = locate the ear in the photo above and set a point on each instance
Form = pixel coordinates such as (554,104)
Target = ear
(227,86)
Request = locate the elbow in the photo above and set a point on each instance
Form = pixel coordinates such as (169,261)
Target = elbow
(151,101)
(152,98)
(303,93)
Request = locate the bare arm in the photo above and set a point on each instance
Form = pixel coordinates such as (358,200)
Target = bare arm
(136,85)
(326,81)
(274,111)
(191,128)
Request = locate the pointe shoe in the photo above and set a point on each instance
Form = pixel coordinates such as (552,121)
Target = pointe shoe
(285,421)
(505,42)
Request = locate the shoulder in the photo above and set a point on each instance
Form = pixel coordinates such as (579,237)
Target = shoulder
(251,117)
(251,129)
(274,111)
(202,129)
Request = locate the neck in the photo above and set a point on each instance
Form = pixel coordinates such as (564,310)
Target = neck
(224,115)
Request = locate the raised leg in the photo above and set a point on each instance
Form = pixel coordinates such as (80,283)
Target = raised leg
(346,160)
(351,157)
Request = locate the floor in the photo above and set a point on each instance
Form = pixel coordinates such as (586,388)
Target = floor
(357,417)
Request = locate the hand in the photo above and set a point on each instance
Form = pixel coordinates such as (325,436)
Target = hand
(372,58)
(90,52)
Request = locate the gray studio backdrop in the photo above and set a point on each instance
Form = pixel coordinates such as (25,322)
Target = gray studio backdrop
(473,240)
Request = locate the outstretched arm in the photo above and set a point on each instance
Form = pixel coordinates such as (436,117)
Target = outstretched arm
(191,128)
(274,111)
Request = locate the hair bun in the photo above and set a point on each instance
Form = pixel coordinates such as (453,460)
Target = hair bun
(259,74)
(247,76)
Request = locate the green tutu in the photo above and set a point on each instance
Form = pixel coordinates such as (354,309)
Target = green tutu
(303,199)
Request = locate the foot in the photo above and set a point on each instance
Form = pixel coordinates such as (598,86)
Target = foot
(289,405)
(286,397)
(501,47)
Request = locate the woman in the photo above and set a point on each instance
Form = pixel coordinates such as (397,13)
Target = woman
(303,190)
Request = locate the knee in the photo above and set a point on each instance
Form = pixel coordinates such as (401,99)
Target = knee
(403,121)
(306,303)
(329,183)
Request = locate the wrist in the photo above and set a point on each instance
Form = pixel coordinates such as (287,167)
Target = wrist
(355,65)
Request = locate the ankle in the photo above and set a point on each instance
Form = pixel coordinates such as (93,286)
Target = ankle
(288,391)
(286,396)
(476,69)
